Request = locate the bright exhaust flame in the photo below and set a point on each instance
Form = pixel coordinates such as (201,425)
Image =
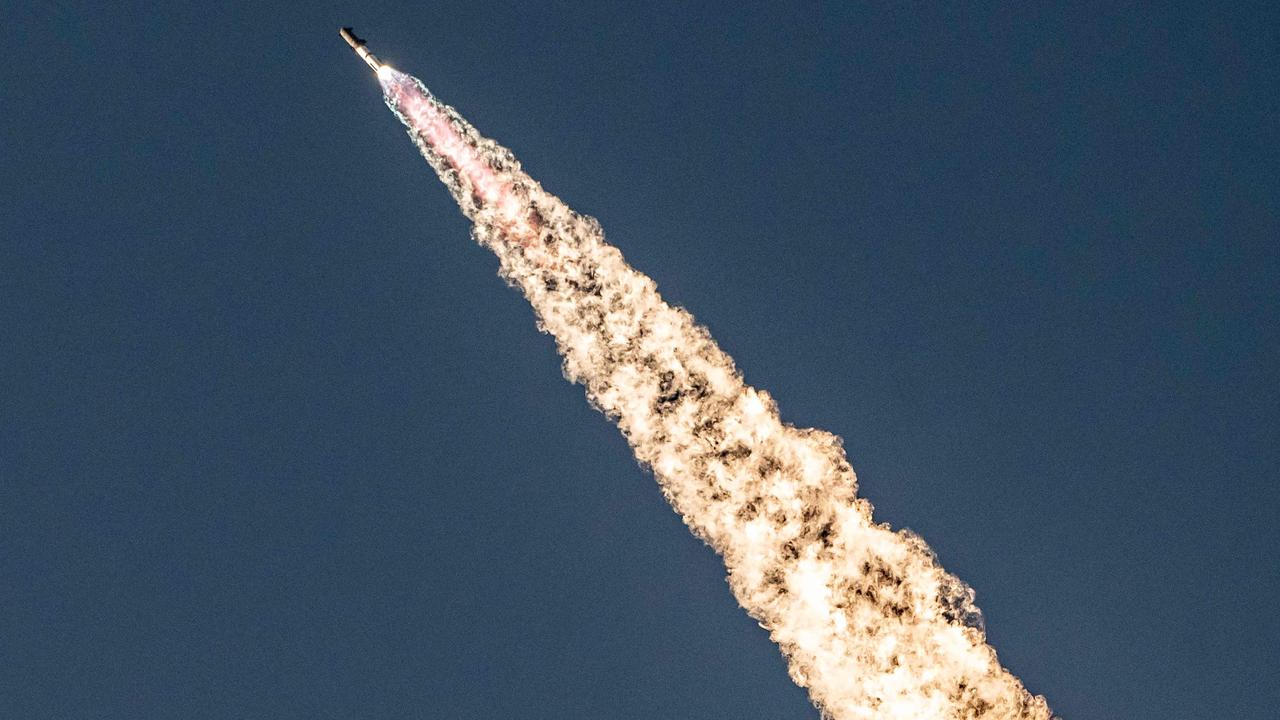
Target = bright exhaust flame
(866,617)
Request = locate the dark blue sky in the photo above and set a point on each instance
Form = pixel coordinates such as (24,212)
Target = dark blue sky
(276,442)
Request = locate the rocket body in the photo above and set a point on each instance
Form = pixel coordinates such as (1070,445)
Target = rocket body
(358,45)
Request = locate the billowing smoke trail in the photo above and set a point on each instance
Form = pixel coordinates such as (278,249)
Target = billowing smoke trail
(866,617)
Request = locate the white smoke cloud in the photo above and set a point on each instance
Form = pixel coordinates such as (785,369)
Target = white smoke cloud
(868,620)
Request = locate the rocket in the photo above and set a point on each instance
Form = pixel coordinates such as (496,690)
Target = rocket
(358,45)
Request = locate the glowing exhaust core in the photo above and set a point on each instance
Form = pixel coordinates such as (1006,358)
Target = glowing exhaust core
(438,130)
(866,617)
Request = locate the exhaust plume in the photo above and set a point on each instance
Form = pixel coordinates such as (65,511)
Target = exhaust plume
(867,619)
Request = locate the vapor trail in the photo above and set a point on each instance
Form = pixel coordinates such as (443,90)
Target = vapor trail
(866,617)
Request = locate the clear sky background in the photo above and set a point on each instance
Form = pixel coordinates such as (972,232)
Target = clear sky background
(276,442)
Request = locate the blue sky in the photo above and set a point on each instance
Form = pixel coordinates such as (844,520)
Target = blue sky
(275,441)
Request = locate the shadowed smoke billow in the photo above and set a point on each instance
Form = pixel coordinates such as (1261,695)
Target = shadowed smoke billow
(868,620)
